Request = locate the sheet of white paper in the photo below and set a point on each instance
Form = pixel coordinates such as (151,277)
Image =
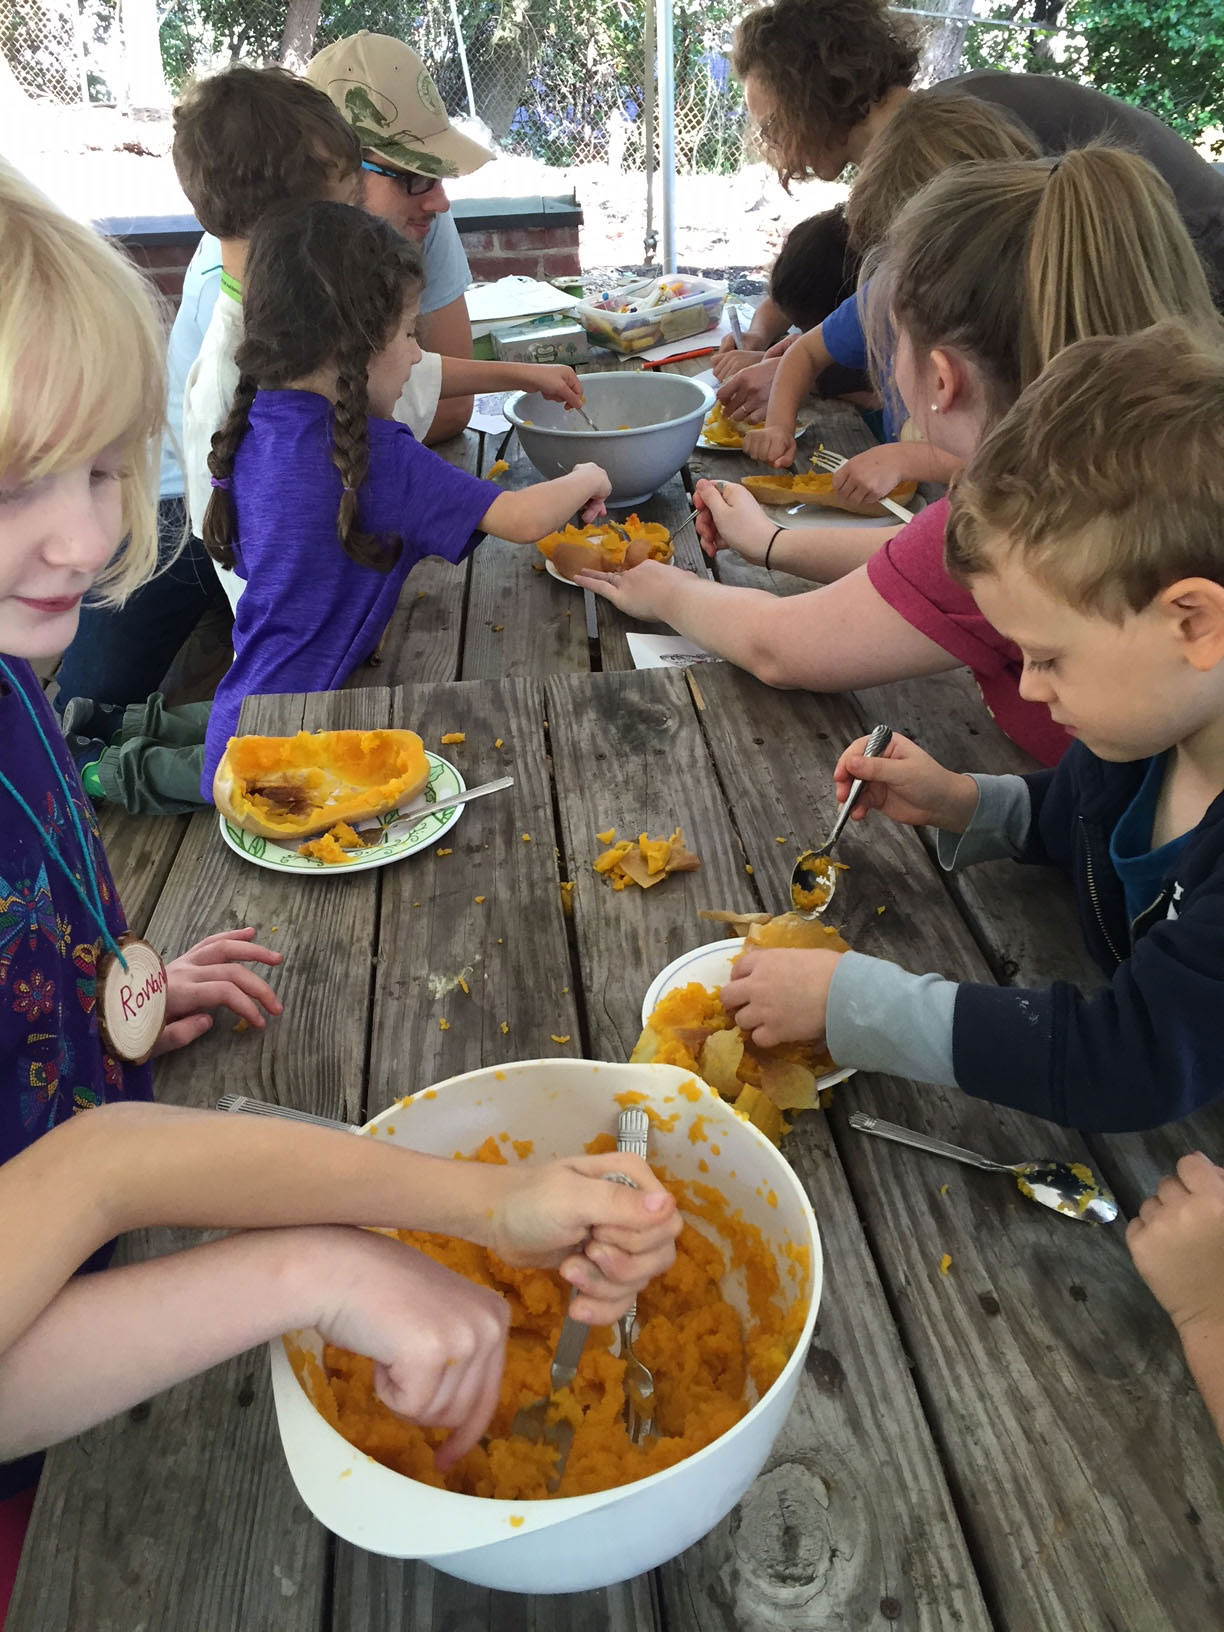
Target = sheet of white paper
(666,652)
(515,297)
(487,414)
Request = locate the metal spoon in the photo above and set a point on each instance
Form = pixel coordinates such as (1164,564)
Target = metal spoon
(633,1135)
(1054,1184)
(812,871)
(579,409)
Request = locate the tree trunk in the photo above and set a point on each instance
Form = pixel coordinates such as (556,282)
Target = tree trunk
(503,68)
(145,89)
(1039,57)
(945,43)
(298,35)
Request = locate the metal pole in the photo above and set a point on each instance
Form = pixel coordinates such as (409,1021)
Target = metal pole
(667,128)
(650,68)
(467,77)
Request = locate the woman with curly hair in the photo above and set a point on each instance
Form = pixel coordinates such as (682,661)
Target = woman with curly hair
(823,77)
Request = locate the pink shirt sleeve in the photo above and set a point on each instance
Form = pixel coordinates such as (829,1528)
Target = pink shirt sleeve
(909,574)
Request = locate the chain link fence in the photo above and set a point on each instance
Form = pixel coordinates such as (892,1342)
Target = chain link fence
(565,82)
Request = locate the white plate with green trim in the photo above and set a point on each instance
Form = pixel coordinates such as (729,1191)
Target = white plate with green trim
(396,841)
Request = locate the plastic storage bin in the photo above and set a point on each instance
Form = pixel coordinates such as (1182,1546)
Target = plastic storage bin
(654,311)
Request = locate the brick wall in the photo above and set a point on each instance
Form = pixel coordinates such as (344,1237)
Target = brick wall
(535,252)
(492,251)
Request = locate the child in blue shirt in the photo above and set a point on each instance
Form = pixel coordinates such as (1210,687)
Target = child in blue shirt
(1088,527)
(930,133)
(323,502)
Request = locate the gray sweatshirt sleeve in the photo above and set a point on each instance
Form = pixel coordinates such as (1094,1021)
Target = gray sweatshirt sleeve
(882,1018)
(997,829)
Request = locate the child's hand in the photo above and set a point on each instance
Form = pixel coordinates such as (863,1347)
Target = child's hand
(729,518)
(746,394)
(772,445)
(596,485)
(211,976)
(907,785)
(438,1341)
(872,475)
(1177,1243)
(638,592)
(779,995)
(557,383)
(607,1240)
(731,361)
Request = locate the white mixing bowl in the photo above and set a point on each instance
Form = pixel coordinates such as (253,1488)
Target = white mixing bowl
(663,413)
(570,1544)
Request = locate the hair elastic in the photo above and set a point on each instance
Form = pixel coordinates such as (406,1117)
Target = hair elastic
(221,483)
(770,545)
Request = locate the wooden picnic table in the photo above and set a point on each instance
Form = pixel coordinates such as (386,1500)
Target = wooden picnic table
(1012,1446)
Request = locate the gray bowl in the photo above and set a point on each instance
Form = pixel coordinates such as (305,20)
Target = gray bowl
(663,414)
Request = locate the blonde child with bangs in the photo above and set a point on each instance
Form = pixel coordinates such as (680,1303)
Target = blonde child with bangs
(931,132)
(1088,526)
(983,278)
(81,404)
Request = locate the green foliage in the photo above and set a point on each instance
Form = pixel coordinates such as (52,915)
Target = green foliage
(1165,55)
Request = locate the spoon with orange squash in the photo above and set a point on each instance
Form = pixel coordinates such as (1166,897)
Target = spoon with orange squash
(813,877)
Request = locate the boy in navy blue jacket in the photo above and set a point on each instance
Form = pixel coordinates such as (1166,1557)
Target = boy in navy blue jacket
(1090,528)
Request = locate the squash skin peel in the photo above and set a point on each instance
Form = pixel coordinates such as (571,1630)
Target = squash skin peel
(290,788)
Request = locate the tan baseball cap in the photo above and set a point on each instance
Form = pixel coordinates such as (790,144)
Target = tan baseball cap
(386,93)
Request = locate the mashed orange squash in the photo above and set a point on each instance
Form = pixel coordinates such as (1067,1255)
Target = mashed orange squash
(709,1364)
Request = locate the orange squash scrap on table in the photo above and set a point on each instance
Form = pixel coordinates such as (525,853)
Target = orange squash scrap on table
(606,546)
(708,1362)
(644,861)
(691,1029)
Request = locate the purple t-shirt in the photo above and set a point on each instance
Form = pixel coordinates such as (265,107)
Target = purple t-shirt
(310,614)
(51,1052)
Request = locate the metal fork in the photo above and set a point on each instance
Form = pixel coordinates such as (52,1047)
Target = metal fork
(632,1135)
(825,459)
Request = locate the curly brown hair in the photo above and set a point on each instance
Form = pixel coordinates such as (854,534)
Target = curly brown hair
(825,63)
(326,285)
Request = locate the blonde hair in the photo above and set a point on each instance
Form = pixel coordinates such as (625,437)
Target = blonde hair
(1011,262)
(1106,479)
(81,358)
(929,133)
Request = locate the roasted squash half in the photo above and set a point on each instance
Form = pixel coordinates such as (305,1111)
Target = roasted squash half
(606,546)
(816,487)
(291,787)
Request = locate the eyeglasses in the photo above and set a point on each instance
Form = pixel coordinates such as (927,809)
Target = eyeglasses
(414,185)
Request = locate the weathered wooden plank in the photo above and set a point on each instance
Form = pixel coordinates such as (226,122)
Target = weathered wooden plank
(423,639)
(851,1523)
(628,754)
(141,852)
(511,948)
(831,1472)
(386,1595)
(1040,1349)
(671,506)
(520,621)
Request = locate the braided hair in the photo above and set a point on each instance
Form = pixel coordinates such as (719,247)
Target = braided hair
(325,287)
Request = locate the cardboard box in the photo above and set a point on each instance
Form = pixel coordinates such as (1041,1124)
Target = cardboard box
(542,343)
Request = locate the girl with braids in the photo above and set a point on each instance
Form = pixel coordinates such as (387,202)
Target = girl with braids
(84,1156)
(985,276)
(321,501)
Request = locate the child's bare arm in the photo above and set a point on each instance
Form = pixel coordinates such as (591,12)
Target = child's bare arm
(528,514)
(798,372)
(464,376)
(441,1339)
(125,1167)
